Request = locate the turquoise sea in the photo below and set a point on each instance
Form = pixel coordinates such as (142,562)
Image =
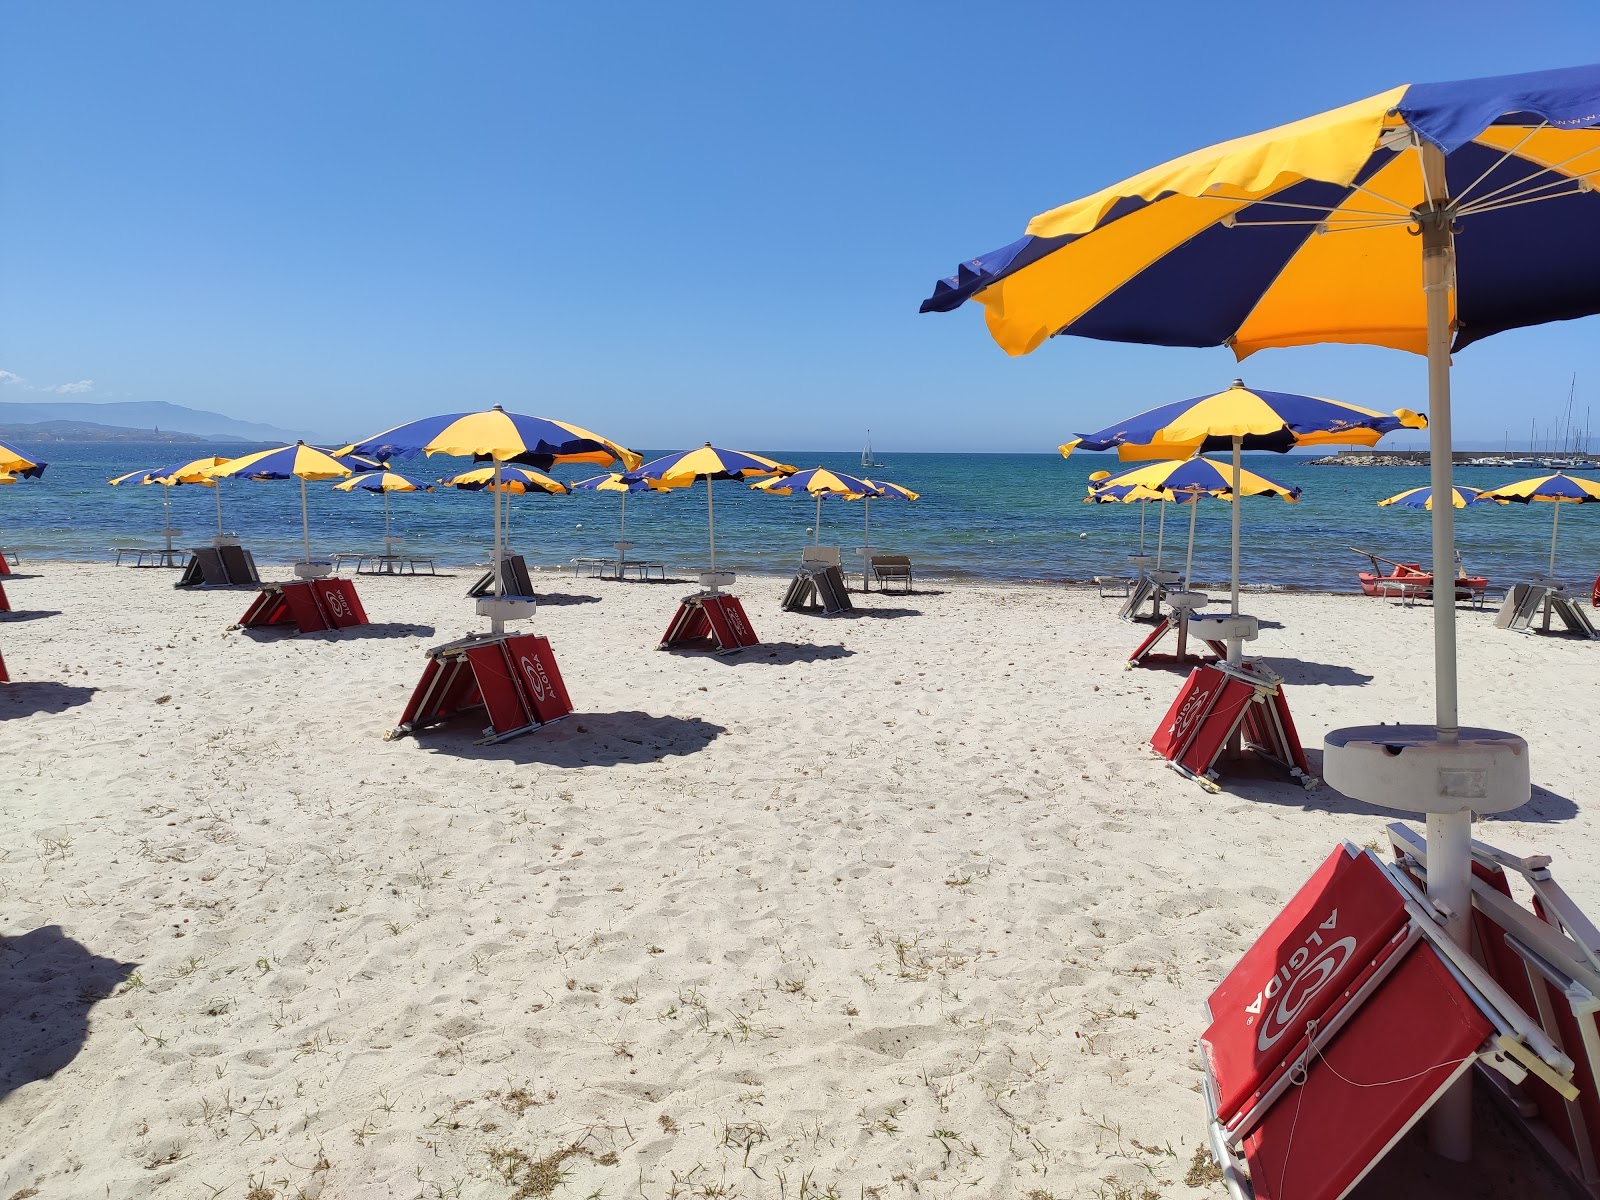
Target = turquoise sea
(1015,517)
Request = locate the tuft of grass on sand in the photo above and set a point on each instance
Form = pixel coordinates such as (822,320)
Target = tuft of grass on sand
(536,1179)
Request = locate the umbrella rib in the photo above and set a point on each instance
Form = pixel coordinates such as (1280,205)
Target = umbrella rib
(1326,210)
(1554,169)
(1530,197)
(1493,167)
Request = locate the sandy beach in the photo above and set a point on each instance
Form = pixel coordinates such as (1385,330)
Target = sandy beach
(896,904)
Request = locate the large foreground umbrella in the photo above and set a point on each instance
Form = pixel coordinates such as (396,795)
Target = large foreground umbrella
(1242,419)
(1555,490)
(14,462)
(500,437)
(298,461)
(384,482)
(709,463)
(1321,231)
(819,482)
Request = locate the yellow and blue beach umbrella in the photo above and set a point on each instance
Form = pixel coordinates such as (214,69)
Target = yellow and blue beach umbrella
(1188,480)
(1555,490)
(709,463)
(497,435)
(819,482)
(881,489)
(510,480)
(616,481)
(1242,419)
(500,437)
(298,461)
(169,477)
(384,482)
(1422,497)
(14,462)
(1253,419)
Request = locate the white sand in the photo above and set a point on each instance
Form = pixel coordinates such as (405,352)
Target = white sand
(893,905)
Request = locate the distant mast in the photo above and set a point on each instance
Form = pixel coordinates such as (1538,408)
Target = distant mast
(867,460)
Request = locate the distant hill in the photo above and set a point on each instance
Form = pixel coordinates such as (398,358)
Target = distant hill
(44,433)
(147,417)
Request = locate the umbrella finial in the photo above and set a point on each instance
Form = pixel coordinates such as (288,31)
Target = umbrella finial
(1238,383)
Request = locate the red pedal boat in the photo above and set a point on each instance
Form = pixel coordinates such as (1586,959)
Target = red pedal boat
(1410,578)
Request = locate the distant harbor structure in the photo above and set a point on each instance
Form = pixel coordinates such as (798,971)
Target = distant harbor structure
(1462,458)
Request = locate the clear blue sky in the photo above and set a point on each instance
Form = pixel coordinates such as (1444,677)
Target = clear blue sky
(668,222)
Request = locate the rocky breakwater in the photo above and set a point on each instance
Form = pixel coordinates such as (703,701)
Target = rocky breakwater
(1365,460)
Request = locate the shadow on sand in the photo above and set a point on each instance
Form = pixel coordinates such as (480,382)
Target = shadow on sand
(28,614)
(559,599)
(775,654)
(48,984)
(25,698)
(1300,673)
(373,629)
(888,614)
(582,739)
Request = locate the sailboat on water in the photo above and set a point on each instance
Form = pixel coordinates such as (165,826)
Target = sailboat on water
(867,461)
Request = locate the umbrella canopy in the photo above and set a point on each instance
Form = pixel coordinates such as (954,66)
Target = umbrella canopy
(379,481)
(709,463)
(14,462)
(1422,497)
(1257,420)
(1556,490)
(496,435)
(1304,234)
(819,482)
(298,461)
(1198,474)
(889,491)
(169,477)
(510,480)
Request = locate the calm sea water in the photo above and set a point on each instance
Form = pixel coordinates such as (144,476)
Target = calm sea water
(995,516)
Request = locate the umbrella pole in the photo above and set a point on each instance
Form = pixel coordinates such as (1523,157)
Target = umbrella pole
(866,538)
(1449,833)
(1161,533)
(216,486)
(1555,526)
(622,535)
(386,540)
(497,623)
(1188,563)
(1238,447)
(305,522)
(1142,509)
(817,525)
(711,526)
(166,521)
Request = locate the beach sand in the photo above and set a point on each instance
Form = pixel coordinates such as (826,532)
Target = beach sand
(899,904)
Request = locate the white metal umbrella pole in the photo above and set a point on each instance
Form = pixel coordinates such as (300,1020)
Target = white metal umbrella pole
(1161,533)
(1555,526)
(1142,509)
(1188,563)
(817,526)
(166,520)
(305,523)
(497,622)
(216,486)
(866,538)
(1238,446)
(711,524)
(386,538)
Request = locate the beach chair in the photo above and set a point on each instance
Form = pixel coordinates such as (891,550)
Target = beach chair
(514,579)
(819,583)
(219,566)
(887,568)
